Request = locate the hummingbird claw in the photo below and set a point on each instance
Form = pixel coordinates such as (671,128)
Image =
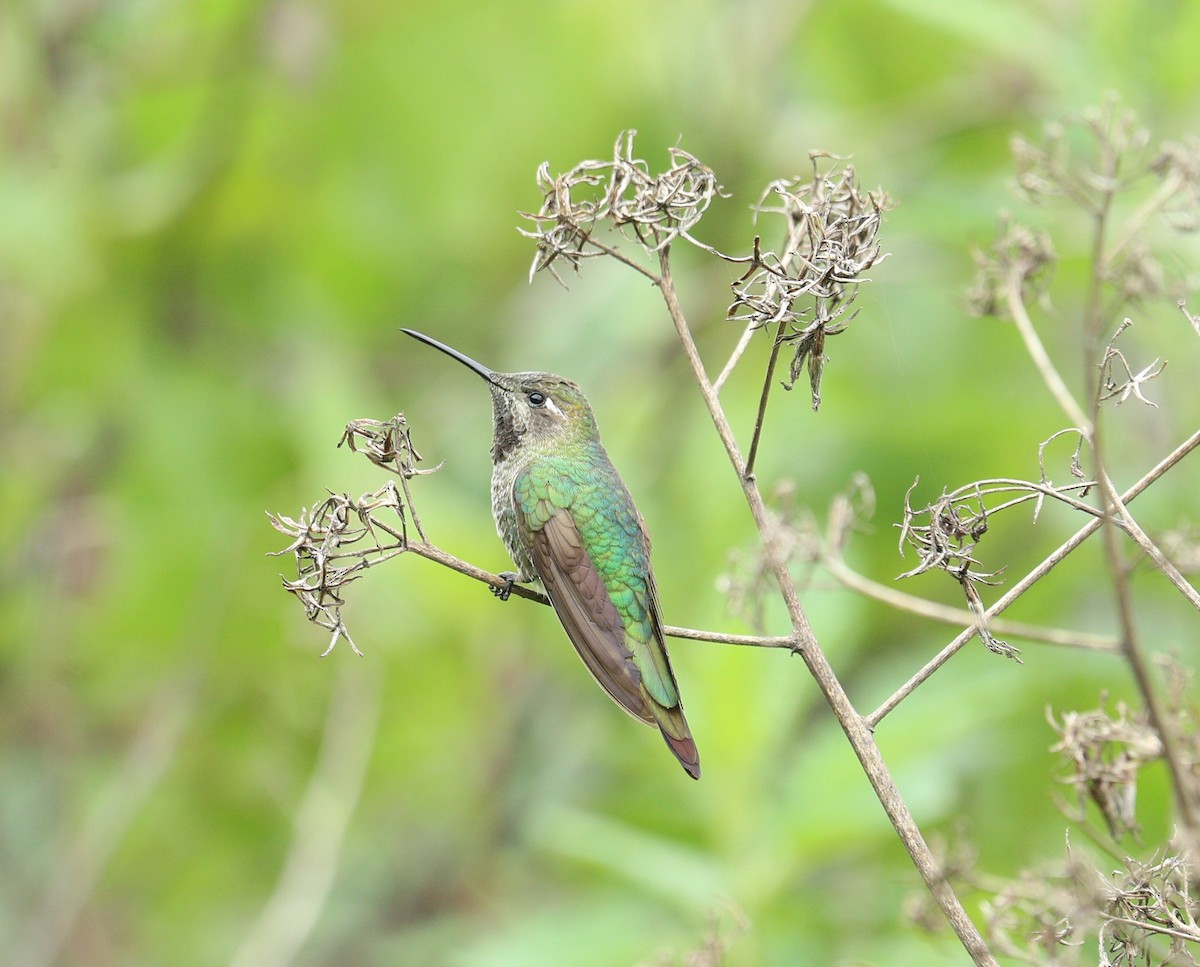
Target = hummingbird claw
(510,578)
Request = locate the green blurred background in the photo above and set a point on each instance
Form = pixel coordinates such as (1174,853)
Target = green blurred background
(213,218)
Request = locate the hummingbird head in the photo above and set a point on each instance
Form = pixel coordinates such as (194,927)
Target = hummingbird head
(529,410)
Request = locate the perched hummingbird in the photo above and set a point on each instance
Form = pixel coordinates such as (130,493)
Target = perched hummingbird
(567,520)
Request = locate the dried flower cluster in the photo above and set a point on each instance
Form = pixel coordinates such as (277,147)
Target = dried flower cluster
(946,541)
(1042,916)
(946,532)
(387,444)
(1178,166)
(1118,381)
(747,583)
(801,291)
(336,541)
(1149,913)
(1142,914)
(830,239)
(1074,159)
(653,208)
(1018,263)
(335,531)
(1091,161)
(1105,755)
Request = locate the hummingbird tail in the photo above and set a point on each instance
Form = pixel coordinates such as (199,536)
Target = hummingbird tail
(678,736)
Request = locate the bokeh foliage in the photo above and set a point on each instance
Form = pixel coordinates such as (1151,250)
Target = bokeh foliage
(213,217)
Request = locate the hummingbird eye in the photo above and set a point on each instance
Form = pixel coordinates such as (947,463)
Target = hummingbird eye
(536,399)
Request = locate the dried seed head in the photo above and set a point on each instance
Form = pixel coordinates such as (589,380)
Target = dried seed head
(1178,165)
(654,209)
(829,241)
(1020,259)
(335,542)
(1105,755)
(1117,380)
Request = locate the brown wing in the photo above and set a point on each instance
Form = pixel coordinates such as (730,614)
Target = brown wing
(587,613)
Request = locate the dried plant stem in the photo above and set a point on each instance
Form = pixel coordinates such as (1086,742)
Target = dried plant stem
(947,614)
(616,253)
(805,644)
(739,350)
(1112,503)
(760,418)
(412,508)
(1132,650)
(434,553)
(1041,359)
(1087,427)
(1114,508)
(1192,936)
(751,641)
(1028,581)
(1167,189)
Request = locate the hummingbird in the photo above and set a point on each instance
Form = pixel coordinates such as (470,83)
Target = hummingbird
(569,522)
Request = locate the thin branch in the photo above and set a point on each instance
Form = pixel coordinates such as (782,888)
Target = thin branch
(1093,319)
(666,286)
(1194,321)
(805,644)
(433,553)
(1190,935)
(1113,506)
(1147,210)
(1132,650)
(761,416)
(1028,581)
(446,559)
(621,257)
(1041,359)
(947,614)
(734,357)
(752,641)
(412,508)
(1123,518)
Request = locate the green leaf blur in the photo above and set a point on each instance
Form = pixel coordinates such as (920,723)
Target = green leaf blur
(213,219)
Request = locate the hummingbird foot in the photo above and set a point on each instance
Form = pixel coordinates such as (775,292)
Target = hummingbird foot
(510,578)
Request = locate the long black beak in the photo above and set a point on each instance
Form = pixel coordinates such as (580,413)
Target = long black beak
(453,353)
